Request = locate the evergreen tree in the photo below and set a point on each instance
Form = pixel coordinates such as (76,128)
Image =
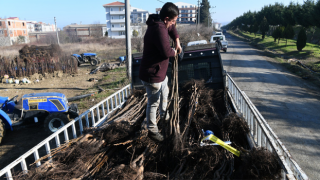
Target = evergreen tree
(316,14)
(255,28)
(302,39)
(204,13)
(288,33)
(264,27)
(289,14)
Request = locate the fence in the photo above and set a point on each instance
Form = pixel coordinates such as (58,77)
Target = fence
(93,117)
(261,132)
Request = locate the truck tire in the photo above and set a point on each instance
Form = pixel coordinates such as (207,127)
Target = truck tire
(2,130)
(225,50)
(93,62)
(55,121)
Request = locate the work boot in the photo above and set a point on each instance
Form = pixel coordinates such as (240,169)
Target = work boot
(155,136)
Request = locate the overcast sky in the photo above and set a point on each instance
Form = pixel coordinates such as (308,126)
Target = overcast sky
(89,12)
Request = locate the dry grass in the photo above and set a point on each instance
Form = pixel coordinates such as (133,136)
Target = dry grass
(88,47)
(10,51)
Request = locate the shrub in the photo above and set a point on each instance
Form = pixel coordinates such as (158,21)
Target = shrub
(135,33)
(302,39)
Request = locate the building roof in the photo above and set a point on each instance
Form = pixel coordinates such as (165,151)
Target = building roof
(117,3)
(179,4)
(132,8)
(13,18)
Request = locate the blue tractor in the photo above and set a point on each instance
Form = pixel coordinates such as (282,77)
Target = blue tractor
(91,58)
(50,108)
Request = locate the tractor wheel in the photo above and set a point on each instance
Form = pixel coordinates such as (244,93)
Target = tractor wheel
(55,121)
(93,62)
(99,60)
(2,130)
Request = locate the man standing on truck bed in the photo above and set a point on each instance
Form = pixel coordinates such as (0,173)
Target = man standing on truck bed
(154,63)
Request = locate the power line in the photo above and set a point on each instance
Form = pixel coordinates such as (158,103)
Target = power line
(161,1)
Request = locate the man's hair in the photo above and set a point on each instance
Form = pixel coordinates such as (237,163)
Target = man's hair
(169,10)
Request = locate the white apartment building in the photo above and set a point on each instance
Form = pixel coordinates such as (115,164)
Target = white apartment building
(34,26)
(187,13)
(138,15)
(115,18)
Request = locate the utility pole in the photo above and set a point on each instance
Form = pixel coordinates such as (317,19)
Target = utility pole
(210,13)
(128,40)
(55,22)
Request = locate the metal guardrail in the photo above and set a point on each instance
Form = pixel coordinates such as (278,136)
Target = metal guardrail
(94,116)
(261,132)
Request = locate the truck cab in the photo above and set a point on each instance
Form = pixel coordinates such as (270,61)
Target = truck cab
(223,41)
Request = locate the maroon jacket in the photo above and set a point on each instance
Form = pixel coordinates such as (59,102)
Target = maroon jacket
(157,50)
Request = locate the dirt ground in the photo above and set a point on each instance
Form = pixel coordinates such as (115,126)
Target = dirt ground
(23,138)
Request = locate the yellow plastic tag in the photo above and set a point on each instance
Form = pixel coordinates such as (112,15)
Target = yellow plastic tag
(36,100)
(221,143)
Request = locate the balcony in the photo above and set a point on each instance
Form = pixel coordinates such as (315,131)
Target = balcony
(116,12)
(118,29)
(117,21)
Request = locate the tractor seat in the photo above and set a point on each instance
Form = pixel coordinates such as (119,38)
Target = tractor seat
(19,104)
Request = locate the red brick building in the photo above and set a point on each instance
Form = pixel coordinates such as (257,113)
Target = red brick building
(10,30)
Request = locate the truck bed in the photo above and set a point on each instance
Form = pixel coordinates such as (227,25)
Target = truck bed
(202,62)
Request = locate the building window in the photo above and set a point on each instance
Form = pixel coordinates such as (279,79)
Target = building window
(134,10)
(0,23)
(111,17)
(10,31)
(23,24)
(121,17)
(1,32)
(24,31)
(110,9)
(122,25)
(9,23)
(122,33)
(112,25)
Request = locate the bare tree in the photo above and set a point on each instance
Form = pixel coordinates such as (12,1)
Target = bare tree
(189,33)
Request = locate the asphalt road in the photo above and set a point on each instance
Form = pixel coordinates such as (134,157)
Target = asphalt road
(288,103)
